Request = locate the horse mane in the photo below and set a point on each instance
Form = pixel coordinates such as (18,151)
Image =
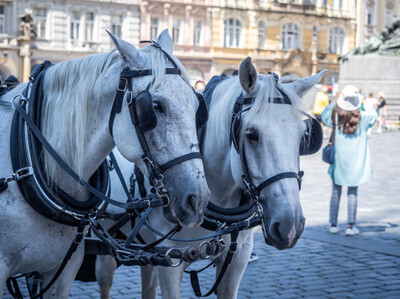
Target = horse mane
(221,105)
(68,95)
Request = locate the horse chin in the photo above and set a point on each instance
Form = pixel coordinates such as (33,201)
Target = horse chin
(170,216)
(279,244)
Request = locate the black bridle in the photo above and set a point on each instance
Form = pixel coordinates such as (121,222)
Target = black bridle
(235,131)
(125,87)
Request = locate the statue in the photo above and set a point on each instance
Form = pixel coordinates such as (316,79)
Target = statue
(387,43)
(26,27)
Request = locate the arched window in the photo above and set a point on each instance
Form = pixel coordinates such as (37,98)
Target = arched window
(290,36)
(261,35)
(232,32)
(336,40)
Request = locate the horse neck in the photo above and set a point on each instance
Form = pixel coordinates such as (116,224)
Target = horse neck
(217,165)
(98,144)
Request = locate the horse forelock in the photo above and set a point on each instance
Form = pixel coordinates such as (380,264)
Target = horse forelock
(159,62)
(68,95)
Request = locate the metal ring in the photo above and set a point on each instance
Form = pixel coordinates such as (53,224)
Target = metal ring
(180,259)
(20,96)
(206,256)
(168,201)
(129,101)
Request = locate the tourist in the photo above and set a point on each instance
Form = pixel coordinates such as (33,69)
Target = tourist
(382,111)
(370,103)
(352,162)
(321,100)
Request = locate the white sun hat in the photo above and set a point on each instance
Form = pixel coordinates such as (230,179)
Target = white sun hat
(349,99)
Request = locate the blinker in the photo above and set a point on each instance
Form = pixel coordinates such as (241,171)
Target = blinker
(202,111)
(312,139)
(146,117)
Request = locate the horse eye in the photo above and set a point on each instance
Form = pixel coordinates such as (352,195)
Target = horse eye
(157,107)
(252,135)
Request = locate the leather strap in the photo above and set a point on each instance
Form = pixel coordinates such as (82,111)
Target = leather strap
(194,279)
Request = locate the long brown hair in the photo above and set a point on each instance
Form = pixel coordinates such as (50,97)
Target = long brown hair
(348,121)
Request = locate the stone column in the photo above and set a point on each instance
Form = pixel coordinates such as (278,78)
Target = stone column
(25,54)
(167,7)
(188,26)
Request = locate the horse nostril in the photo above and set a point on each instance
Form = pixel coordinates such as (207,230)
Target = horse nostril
(275,230)
(191,202)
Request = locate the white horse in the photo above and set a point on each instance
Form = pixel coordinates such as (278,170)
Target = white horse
(78,98)
(270,136)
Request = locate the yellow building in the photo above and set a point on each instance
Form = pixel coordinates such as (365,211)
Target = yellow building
(292,37)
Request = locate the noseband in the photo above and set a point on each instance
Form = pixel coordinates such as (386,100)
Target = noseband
(144,119)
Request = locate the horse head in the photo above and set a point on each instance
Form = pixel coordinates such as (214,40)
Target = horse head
(271,136)
(164,113)
(259,139)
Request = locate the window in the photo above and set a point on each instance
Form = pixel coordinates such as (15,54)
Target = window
(89,26)
(39,19)
(197,33)
(290,36)
(261,35)
(315,37)
(336,40)
(1,19)
(176,30)
(116,25)
(232,31)
(370,16)
(75,24)
(154,28)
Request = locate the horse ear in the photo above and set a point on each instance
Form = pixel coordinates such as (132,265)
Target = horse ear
(165,41)
(247,75)
(128,51)
(303,85)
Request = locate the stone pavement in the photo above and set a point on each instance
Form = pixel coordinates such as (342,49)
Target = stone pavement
(321,265)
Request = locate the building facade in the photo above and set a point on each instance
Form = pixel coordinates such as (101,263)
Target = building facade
(189,24)
(373,16)
(296,37)
(34,31)
(289,37)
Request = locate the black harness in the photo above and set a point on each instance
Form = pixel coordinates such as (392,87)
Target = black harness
(62,208)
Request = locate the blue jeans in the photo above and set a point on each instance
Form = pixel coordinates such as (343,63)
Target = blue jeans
(351,204)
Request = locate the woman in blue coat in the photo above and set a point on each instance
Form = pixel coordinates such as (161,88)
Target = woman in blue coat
(352,163)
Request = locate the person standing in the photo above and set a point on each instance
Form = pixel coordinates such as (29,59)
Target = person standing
(382,111)
(352,162)
(370,103)
(321,100)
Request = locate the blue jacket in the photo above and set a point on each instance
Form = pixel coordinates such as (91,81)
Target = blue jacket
(352,163)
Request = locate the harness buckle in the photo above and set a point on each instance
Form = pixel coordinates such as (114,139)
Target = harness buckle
(23,172)
(122,80)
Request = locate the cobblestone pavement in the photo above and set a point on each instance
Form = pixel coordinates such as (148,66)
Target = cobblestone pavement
(321,265)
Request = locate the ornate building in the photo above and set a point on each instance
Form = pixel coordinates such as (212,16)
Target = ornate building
(34,31)
(298,37)
(189,23)
(373,16)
